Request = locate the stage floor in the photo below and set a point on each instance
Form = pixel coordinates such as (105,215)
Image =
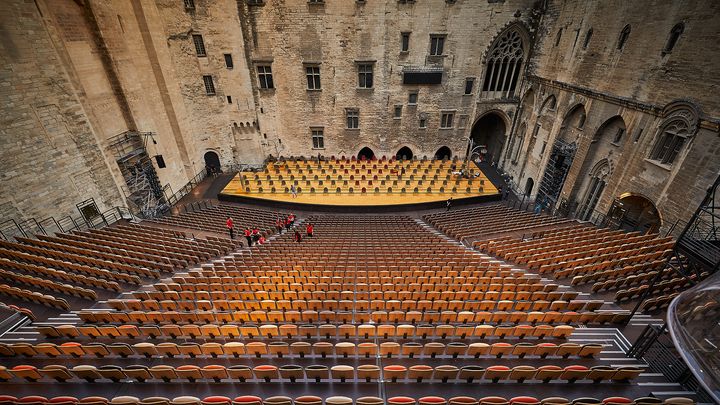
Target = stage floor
(371,198)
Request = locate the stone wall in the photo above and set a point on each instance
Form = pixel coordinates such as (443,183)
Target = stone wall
(51,157)
(633,84)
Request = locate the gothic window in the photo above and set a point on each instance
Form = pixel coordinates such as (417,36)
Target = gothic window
(674,36)
(588,37)
(313,77)
(365,76)
(518,147)
(265,77)
(624,35)
(594,191)
(503,64)
(670,142)
(437,44)
(446,120)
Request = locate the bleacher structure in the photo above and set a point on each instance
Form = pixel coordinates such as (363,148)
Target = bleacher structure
(372,309)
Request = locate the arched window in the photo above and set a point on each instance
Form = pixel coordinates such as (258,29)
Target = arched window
(673,38)
(598,178)
(588,37)
(503,65)
(521,140)
(670,142)
(624,35)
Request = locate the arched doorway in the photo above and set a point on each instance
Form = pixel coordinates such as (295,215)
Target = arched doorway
(443,153)
(488,135)
(212,162)
(404,153)
(366,154)
(529,184)
(638,213)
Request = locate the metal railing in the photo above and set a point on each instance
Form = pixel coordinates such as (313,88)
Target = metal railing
(173,198)
(9,229)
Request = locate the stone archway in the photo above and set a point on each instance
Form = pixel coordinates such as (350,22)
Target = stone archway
(488,135)
(443,153)
(639,213)
(366,154)
(529,184)
(404,153)
(212,162)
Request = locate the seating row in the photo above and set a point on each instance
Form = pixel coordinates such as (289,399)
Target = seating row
(345,317)
(212,331)
(34,296)
(302,349)
(359,305)
(342,373)
(338,400)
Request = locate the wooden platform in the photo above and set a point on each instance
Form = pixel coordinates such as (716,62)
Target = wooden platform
(422,182)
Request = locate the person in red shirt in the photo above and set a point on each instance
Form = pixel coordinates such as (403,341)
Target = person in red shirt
(229,224)
(248,236)
(279,225)
(297,237)
(288,223)
(309,229)
(256,234)
(261,240)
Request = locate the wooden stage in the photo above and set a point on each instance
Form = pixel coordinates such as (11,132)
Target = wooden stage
(371,196)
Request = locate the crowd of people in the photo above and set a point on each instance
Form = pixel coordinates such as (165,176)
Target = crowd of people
(254,236)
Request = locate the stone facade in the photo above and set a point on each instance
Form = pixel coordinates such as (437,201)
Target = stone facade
(77,73)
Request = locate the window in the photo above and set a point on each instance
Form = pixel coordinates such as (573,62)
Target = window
(535,131)
(595,189)
(412,98)
(199,45)
(229,99)
(437,42)
(316,1)
(557,38)
(405,42)
(588,37)
(318,140)
(423,122)
(638,134)
(313,77)
(256,2)
(446,119)
(670,142)
(504,62)
(209,85)
(624,34)
(469,82)
(353,118)
(618,135)
(674,36)
(581,121)
(228,61)
(365,76)
(462,121)
(265,77)
(397,113)
(189,4)
(160,160)
(542,150)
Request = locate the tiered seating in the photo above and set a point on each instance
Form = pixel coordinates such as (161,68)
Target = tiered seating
(368,302)
(611,260)
(476,222)
(345,176)
(75,264)
(213,219)
(339,400)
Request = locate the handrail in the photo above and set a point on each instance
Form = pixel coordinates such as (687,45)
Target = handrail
(185,190)
(64,224)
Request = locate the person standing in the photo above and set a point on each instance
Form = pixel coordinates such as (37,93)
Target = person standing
(293,191)
(279,225)
(309,229)
(248,236)
(255,234)
(288,223)
(448,203)
(297,237)
(229,224)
